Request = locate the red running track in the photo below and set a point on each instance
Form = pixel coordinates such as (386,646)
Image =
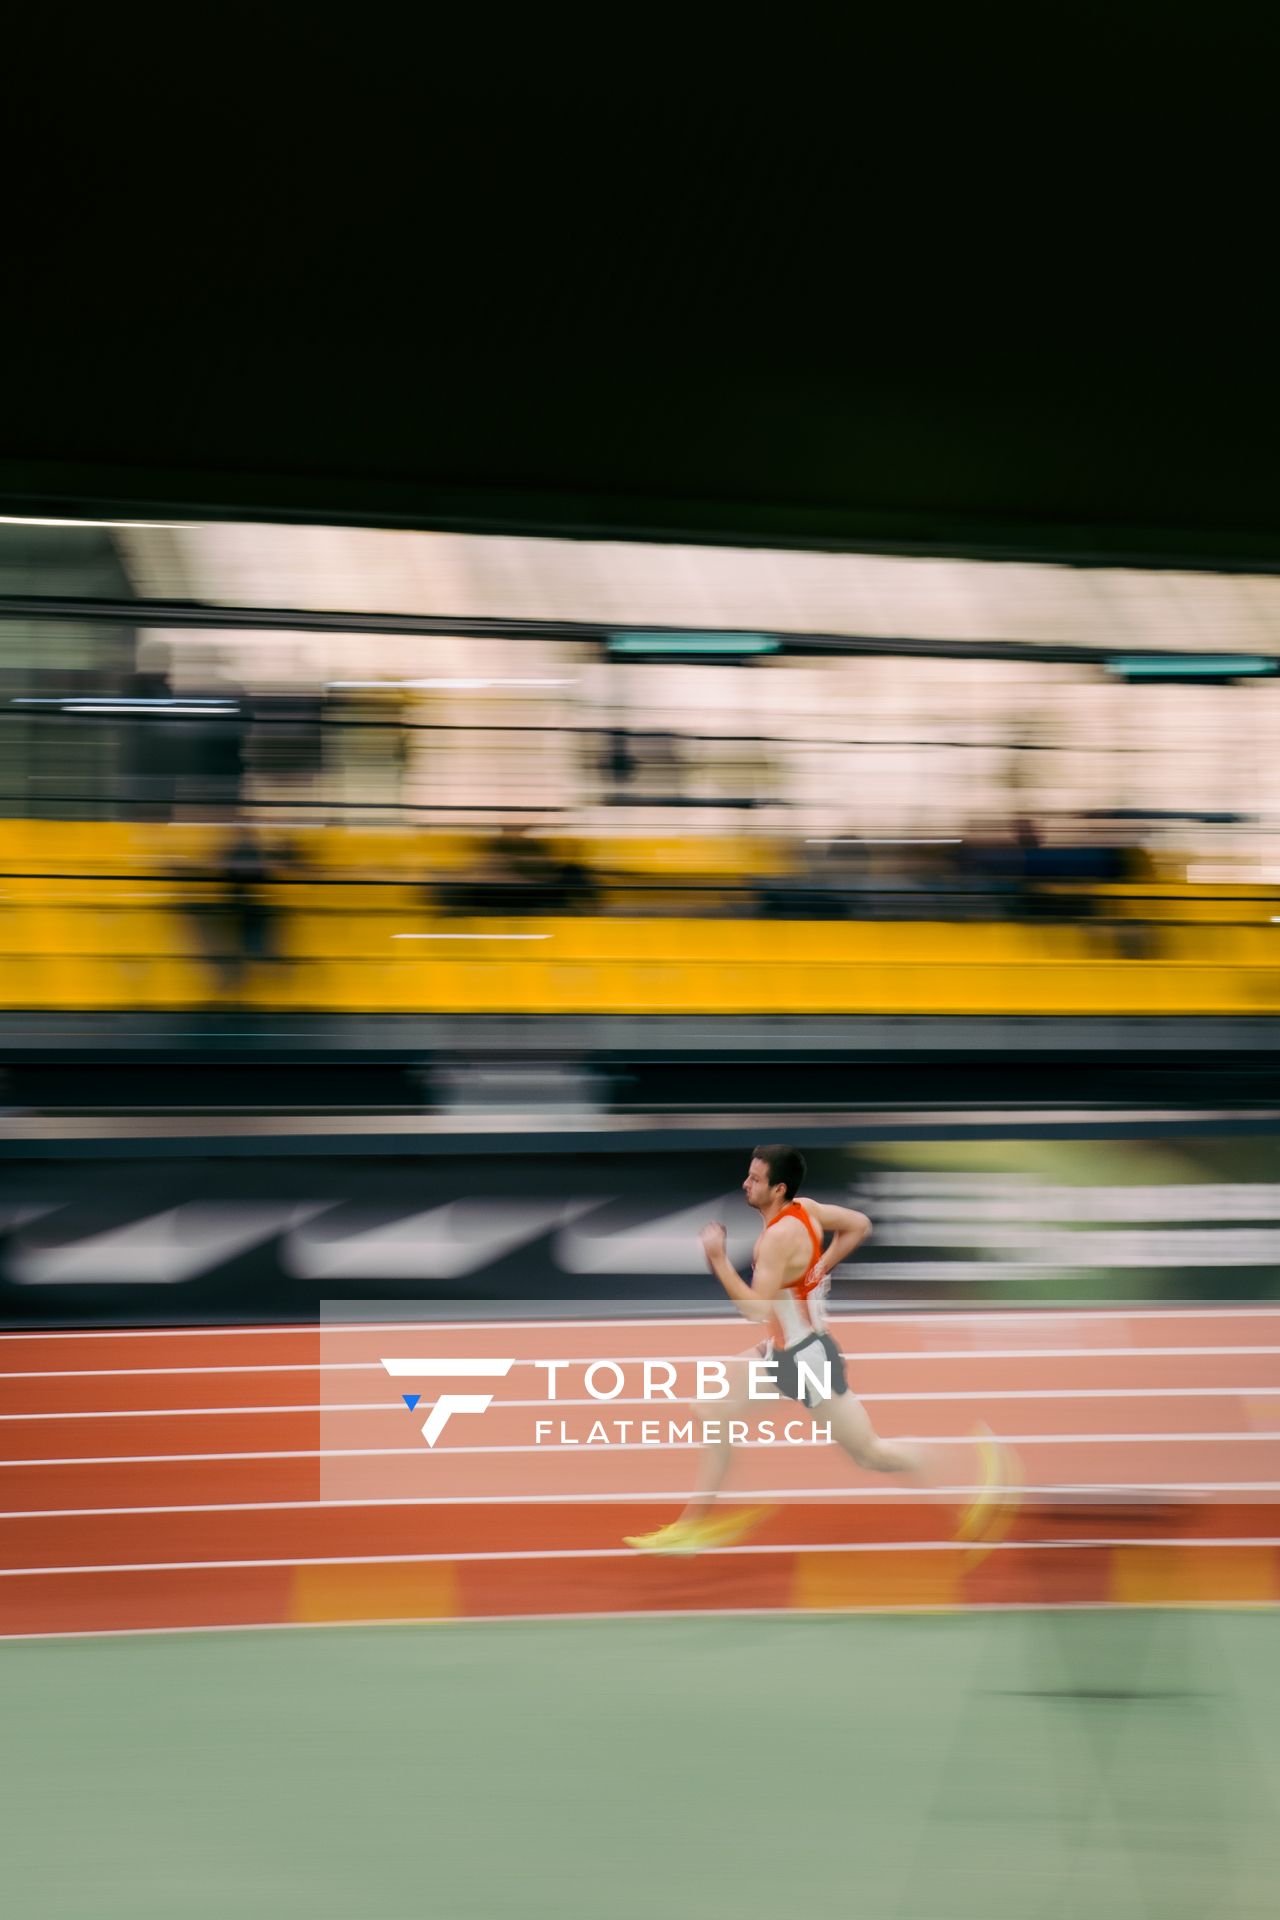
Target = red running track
(265,1475)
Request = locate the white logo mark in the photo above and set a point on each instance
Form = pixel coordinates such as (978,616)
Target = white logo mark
(449,1403)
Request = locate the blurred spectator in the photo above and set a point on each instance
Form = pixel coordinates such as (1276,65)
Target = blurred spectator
(236,925)
(618,764)
(520,871)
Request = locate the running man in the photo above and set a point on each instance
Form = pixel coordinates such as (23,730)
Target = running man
(790,1281)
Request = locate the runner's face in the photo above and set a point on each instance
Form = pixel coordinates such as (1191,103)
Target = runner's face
(756,1187)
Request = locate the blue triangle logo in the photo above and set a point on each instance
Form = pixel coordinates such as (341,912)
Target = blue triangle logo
(411,1400)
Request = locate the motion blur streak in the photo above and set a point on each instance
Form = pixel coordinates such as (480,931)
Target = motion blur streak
(439,921)
(998,788)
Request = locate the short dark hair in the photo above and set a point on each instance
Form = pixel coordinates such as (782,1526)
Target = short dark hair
(785,1165)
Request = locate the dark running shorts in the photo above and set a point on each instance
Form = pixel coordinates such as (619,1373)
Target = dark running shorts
(815,1349)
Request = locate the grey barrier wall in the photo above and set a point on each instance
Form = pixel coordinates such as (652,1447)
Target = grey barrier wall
(1001,1208)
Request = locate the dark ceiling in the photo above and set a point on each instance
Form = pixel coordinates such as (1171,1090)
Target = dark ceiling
(1020,308)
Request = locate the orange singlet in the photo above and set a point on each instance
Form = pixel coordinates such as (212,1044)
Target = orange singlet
(801,1306)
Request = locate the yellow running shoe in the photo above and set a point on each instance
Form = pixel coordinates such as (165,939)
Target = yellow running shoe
(1001,1513)
(697,1536)
(678,1537)
(996,1517)
(977,1517)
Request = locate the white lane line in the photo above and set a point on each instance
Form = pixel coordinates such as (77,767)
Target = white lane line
(859,1358)
(608,1553)
(981,1394)
(298,1406)
(996,1316)
(606,1449)
(257,1366)
(909,1496)
(832,1496)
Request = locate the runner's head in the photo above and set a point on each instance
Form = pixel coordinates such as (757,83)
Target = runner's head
(773,1178)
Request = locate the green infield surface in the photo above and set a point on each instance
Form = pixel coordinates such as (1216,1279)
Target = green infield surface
(1088,1763)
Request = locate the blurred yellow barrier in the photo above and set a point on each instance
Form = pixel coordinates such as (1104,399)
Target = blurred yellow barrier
(76,847)
(111,951)
(108,915)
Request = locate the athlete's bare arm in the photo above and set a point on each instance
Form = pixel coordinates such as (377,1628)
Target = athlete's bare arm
(754,1301)
(846,1225)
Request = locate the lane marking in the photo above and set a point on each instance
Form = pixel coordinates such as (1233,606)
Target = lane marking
(607,1553)
(664,1497)
(601,1450)
(1269,1395)
(909,1496)
(861,1358)
(256,1366)
(300,1406)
